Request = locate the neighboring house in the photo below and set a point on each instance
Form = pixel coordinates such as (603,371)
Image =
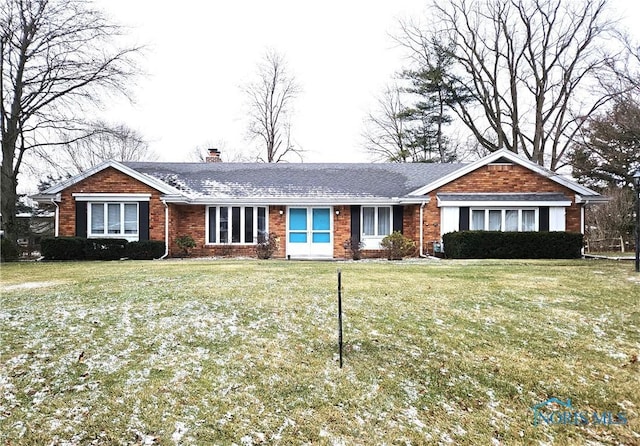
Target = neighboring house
(314,208)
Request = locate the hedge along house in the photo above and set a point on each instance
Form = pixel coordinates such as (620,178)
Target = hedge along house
(313,209)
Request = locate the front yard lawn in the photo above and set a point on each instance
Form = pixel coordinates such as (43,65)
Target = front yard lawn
(245,352)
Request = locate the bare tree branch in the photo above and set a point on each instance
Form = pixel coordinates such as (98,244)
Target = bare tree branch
(58,59)
(270,100)
(532,67)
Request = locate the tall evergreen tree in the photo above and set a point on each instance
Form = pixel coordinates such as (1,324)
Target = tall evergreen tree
(609,152)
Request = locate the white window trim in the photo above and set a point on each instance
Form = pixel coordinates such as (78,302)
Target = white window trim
(230,229)
(373,241)
(113,198)
(503,217)
(105,233)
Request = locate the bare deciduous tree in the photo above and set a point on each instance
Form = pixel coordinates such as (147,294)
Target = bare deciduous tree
(270,100)
(385,135)
(102,142)
(532,68)
(58,58)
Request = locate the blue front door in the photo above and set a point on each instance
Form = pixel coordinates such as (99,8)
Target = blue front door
(309,232)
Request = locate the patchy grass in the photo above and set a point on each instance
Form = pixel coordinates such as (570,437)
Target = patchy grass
(244,352)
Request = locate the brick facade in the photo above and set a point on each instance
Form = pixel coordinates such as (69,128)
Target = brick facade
(510,178)
(191,219)
(111,181)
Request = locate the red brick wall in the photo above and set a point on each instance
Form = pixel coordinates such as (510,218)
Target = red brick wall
(191,220)
(341,231)
(112,181)
(278,227)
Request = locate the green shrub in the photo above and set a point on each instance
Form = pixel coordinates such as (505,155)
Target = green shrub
(8,251)
(398,246)
(185,243)
(105,248)
(145,250)
(512,245)
(63,248)
(267,246)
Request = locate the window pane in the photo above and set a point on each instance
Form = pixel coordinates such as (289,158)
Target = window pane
(384,221)
(477,220)
(529,220)
(511,220)
(97,218)
(224,225)
(320,237)
(297,237)
(495,220)
(321,220)
(262,221)
(297,219)
(368,220)
(235,225)
(113,219)
(212,225)
(248,225)
(130,218)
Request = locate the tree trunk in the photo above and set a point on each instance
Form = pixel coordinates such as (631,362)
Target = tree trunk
(8,185)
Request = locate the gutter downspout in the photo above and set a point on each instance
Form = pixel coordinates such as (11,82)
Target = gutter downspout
(421,254)
(56,221)
(166,231)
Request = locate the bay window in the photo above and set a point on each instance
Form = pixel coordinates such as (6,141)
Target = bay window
(236,224)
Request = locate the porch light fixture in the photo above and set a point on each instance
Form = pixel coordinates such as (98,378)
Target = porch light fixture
(337,212)
(636,185)
(281,212)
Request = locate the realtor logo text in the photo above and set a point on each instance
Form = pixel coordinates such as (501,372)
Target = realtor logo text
(555,411)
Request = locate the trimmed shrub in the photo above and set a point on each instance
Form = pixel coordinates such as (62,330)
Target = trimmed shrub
(8,251)
(145,250)
(105,248)
(398,246)
(512,245)
(63,248)
(267,245)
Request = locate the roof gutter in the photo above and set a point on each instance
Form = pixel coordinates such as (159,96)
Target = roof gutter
(56,220)
(286,201)
(597,199)
(421,253)
(166,230)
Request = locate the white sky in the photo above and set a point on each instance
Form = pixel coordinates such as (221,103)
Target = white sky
(202,52)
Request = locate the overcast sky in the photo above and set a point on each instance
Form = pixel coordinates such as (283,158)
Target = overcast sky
(200,54)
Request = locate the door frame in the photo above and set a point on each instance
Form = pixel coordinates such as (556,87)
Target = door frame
(309,249)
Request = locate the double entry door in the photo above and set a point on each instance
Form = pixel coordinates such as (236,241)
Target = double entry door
(309,232)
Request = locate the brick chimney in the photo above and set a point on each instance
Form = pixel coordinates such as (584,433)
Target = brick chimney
(214,156)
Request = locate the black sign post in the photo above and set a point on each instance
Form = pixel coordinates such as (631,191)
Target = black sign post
(340,315)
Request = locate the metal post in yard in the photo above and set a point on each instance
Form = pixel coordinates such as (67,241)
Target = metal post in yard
(340,315)
(636,185)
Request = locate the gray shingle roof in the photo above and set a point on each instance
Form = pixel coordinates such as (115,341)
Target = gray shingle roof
(300,180)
